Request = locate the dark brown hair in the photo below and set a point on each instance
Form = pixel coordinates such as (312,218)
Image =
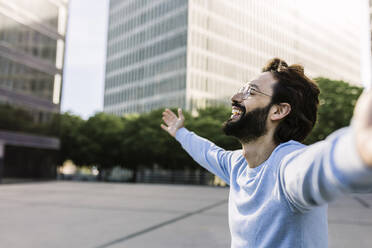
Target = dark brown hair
(302,93)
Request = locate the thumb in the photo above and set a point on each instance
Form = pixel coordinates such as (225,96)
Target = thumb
(180,114)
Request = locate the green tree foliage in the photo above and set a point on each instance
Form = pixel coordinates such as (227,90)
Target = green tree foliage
(15,119)
(336,104)
(144,144)
(67,127)
(101,141)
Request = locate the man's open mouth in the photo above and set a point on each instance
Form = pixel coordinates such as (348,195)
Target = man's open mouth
(236,113)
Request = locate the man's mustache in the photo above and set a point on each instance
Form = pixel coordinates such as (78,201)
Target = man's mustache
(235,104)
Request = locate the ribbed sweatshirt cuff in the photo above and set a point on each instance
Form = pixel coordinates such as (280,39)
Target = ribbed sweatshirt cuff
(181,133)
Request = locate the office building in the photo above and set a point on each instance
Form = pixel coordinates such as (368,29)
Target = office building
(32,41)
(197,53)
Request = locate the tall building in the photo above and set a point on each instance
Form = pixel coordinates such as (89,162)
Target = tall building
(32,38)
(197,53)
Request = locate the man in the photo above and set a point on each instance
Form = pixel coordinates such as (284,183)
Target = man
(279,188)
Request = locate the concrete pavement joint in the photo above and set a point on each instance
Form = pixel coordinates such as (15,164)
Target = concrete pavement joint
(149,229)
(348,222)
(362,202)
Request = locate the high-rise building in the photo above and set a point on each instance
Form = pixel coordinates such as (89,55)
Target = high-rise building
(32,41)
(32,36)
(196,53)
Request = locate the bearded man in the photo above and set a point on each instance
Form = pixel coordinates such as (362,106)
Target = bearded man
(279,188)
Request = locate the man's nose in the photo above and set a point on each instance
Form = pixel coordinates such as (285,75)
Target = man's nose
(237,97)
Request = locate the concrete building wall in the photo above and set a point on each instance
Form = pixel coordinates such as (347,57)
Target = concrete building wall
(32,44)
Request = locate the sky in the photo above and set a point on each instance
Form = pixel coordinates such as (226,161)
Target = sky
(84,68)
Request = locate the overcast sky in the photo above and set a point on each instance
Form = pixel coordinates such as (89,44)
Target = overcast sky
(84,70)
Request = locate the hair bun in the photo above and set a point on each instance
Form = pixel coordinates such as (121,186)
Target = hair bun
(279,65)
(275,64)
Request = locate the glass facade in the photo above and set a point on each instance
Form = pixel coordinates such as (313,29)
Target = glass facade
(230,41)
(32,35)
(197,53)
(25,80)
(22,38)
(146,56)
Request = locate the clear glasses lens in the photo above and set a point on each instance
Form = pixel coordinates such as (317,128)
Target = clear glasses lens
(246,91)
(242,89)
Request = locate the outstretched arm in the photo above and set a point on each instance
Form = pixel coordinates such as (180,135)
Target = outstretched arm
(204,152)
(342,163)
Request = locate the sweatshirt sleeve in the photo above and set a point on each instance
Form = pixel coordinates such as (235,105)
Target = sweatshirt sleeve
(320,172)
(207,154)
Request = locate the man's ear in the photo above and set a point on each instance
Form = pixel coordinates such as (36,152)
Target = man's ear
(279,111)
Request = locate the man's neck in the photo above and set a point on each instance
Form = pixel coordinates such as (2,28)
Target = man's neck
(259,150)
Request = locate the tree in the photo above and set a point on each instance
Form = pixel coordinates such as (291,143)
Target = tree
(68,128)
(100,141)
(145,144)
(336,104)
(15,119)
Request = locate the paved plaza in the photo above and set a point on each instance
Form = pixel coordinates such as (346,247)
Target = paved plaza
(93,215)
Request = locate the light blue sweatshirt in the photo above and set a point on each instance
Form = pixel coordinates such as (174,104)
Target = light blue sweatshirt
(283,201)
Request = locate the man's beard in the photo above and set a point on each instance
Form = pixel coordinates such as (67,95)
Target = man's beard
(250,126)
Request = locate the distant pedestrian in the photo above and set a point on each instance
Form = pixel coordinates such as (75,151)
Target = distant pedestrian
(279,188)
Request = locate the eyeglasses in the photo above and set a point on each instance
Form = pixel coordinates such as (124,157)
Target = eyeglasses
(246,91)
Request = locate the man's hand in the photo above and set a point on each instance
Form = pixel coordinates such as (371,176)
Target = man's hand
(362,122)
(173,123)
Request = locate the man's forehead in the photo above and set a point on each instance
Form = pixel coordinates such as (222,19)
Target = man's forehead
(263,81)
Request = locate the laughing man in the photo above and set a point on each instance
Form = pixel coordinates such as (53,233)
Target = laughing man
(279,188)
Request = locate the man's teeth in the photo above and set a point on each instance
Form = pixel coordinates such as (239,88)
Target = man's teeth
(236,112)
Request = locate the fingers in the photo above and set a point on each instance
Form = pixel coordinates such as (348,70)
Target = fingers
(171,118)
(170,112)
(164,127)
(168,118)
(172,121)
(180,114)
